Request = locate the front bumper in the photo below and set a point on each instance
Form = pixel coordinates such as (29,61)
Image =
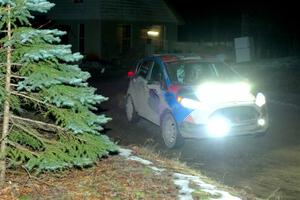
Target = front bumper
(242,126)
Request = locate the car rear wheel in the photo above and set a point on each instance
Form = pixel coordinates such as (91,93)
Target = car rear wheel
(170,133)
(131,113)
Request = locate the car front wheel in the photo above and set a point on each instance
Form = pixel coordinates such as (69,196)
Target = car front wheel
(170,133)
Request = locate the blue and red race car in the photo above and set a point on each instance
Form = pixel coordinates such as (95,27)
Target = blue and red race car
(193,97)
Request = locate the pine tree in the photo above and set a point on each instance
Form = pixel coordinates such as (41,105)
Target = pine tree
(47,118)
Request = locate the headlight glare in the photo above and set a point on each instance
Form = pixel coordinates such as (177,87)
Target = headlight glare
(189,103)
(218,126)
(260,100)
(213,93)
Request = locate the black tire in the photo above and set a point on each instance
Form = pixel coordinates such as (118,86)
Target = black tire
(170,133)
(131,113)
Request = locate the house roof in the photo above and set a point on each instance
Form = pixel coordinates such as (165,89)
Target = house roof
(120,10)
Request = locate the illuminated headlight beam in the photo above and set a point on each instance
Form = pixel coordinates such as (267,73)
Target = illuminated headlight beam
(218,126)
(260,100)
(212,93)
(261,122)
(190,103)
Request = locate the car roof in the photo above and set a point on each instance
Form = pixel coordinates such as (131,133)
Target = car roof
(167,58)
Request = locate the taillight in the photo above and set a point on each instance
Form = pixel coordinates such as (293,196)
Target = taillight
(130,74)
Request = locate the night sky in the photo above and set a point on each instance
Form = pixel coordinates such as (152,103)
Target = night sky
(272,25)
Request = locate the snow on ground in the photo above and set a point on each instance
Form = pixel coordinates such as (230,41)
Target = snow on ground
(127,153)
(138,159)
(183,181)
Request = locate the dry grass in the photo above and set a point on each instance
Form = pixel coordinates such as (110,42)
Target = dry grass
(174,165)
(112,178)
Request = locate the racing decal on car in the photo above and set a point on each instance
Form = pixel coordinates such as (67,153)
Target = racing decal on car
(179,112)
(153,100)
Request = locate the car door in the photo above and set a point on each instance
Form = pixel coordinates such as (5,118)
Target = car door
(140,87)
(153,94)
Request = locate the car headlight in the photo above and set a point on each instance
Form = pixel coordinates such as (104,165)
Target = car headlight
(189,103)
(218,126)
(261,122)
(260,100)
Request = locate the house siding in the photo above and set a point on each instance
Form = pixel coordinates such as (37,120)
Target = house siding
(102,18)
(128,10)
(93,38)
(68,10)
(92,32)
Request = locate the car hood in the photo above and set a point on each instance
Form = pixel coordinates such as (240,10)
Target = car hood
(218,92)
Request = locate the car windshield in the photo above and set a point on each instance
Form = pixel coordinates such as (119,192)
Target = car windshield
(191,73)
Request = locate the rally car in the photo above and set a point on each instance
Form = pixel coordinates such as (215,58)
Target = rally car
(194,97)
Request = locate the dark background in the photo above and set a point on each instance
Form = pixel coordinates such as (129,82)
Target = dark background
(274,26)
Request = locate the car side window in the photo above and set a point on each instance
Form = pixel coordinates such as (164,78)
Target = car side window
(156,73)
(144,69)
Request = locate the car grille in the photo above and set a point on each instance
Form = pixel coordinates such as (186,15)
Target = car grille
(240,115)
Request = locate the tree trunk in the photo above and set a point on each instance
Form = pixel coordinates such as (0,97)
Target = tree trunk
(6,115)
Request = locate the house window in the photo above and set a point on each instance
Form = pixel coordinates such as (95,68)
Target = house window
(81,38)
(78,1)
(125,38)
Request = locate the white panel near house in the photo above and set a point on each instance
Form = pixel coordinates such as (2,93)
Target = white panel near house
(243,49)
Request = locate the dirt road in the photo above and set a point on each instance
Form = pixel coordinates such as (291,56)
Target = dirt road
(266,166)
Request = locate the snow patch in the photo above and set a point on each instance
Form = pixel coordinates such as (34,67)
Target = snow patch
(185,193)
(182,181)
(125,152)
(140,160)
(157,169)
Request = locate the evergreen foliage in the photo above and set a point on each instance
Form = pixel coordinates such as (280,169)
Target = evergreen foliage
(51,123)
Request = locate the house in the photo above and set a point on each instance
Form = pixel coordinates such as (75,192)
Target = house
(109,29)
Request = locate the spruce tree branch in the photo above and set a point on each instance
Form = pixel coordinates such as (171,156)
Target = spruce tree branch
(5,8)
(31,98)
(3,138)
(20,147)
(1,51)
(41,26)
(18,77)
(8,132)
(35,135)
(36,178)
(12,64)
(39,136)
(43,124)
(14,85)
